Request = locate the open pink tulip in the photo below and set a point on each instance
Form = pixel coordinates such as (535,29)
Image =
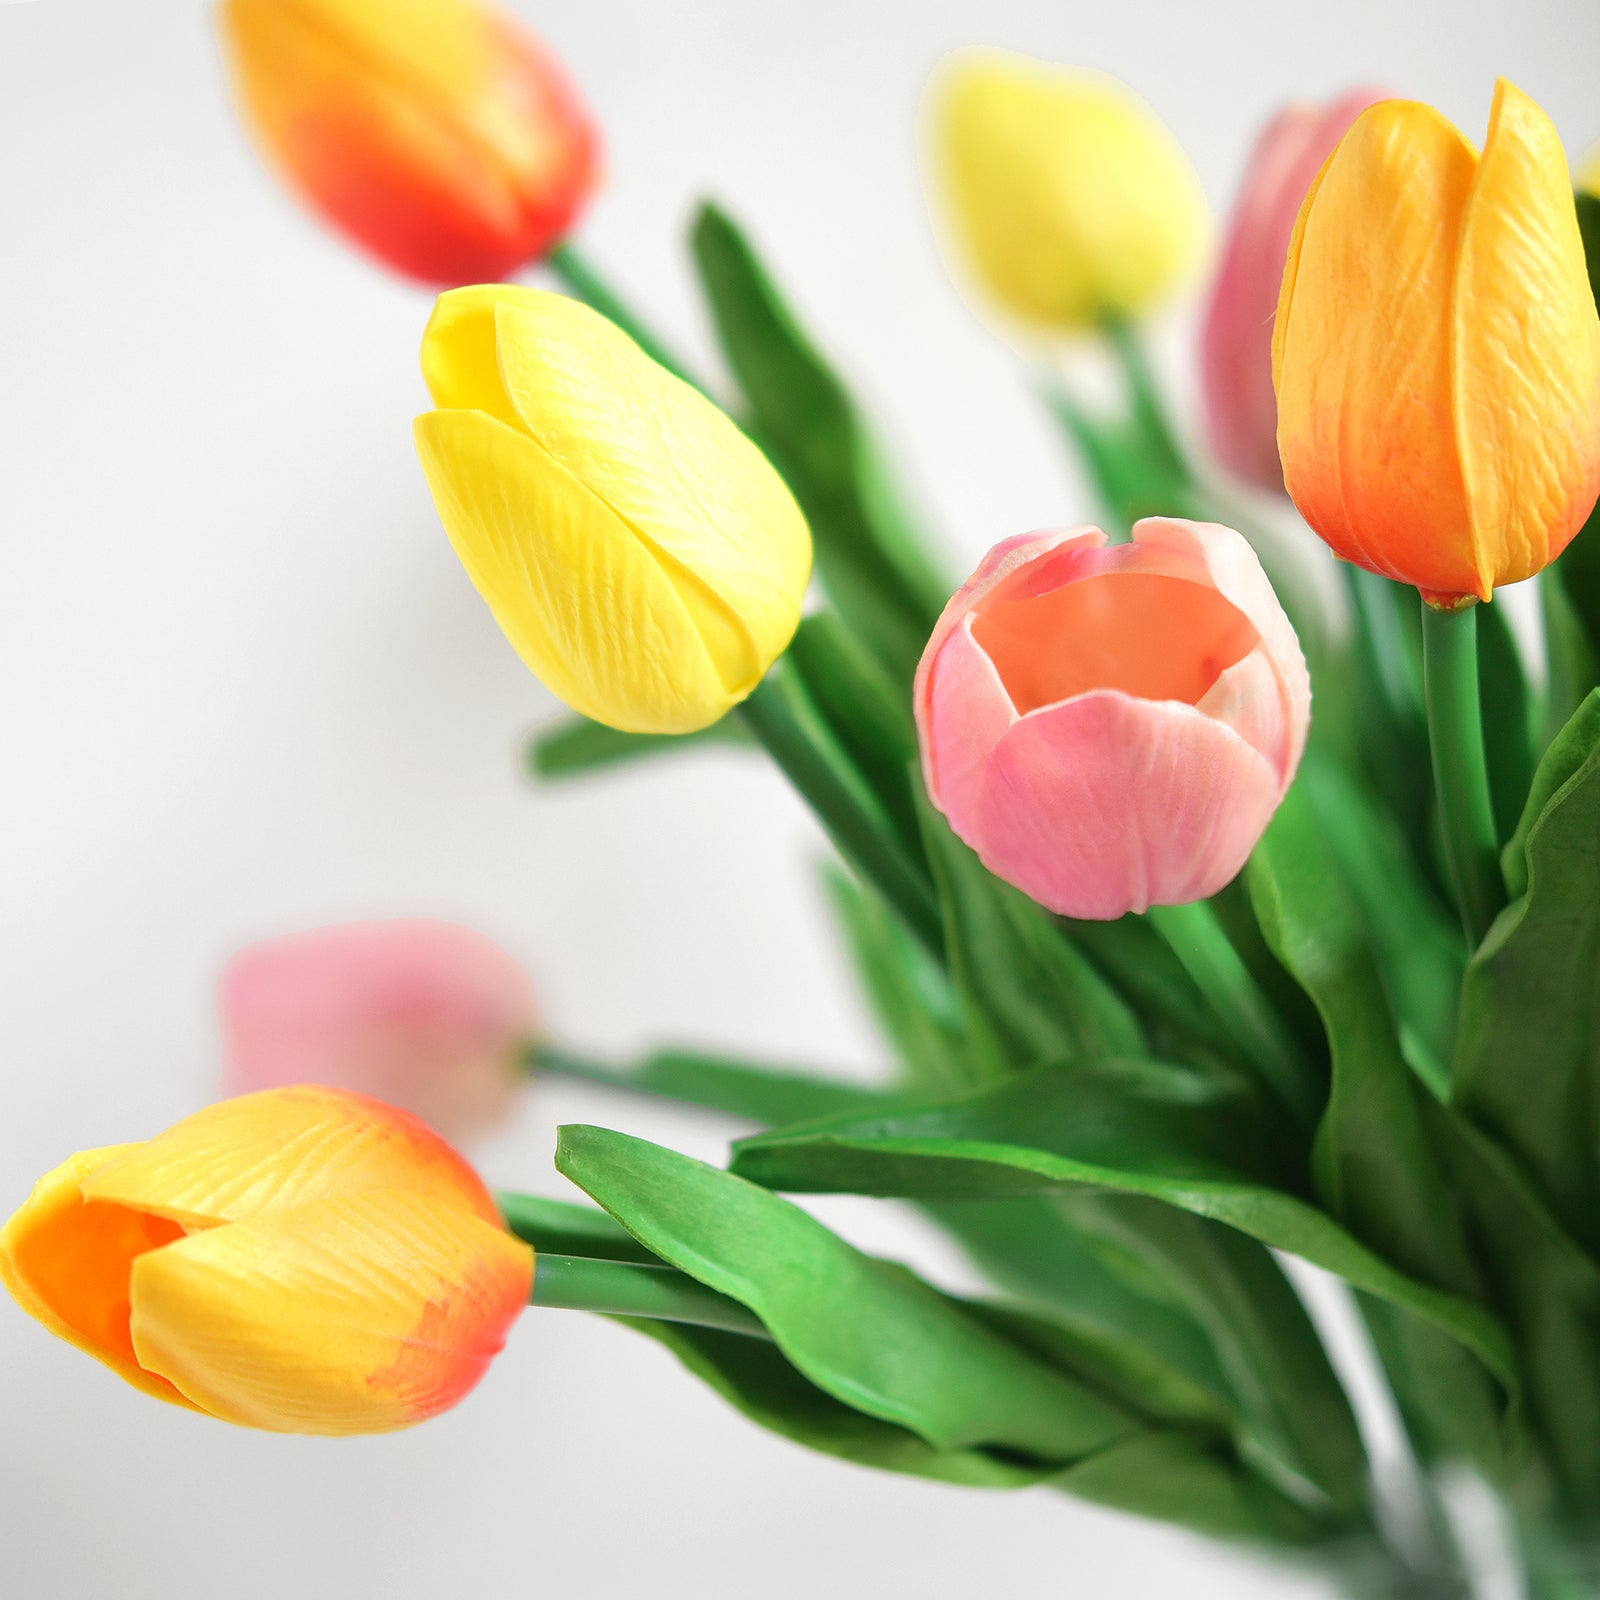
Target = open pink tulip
(427,1016)
(1111,727)
(1236,346)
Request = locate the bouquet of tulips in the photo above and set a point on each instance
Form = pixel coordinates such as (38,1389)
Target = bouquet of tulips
(1217,909)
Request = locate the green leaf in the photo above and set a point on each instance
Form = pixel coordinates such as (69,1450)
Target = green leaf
(909,992)
(1377,1171)
(871,559)
(1507,717)
(1029,995)
(1416,941)
(559,1227)
(763,1094)
(1527,1067)
(869,1333)
(1032,1134)
(966,1381)
(575,745)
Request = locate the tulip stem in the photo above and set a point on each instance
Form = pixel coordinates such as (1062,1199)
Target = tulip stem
(1200,943)
(637,1289)
(1460,766)
(581,277)
(1149,409)
(781,716)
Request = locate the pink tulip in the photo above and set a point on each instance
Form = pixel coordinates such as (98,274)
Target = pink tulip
(427,1016)
(1111,727)
(1236,346)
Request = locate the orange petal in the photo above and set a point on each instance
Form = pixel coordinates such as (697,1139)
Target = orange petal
(262,1153)
(1527,343)
(66,1262)
(1362,352)
(354,1315)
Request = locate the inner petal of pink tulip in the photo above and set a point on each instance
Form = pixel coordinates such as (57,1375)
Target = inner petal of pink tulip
(1150,635)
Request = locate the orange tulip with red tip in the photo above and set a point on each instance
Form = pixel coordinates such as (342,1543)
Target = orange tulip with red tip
(301,1260)
(438,134)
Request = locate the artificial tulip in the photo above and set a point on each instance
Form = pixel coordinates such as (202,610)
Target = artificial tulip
(1111,727)
(438,134)
(427,1016)
(301,1260)
(1069,198)
(640,553)
(1437,351)
(1241,411)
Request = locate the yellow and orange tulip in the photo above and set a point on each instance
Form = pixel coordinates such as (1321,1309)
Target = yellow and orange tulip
(1437,351)
(438,134)
(303,1260)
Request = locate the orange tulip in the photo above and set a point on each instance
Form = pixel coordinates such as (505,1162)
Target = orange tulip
(438,134)
(304,1260)
(1437,351)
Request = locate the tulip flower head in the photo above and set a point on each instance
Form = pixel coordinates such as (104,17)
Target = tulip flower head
(300,1260)
(1111,727)
(1241,410)
(426,1016)
(438,134)
(641,554)
(1072,203)
(1437,351)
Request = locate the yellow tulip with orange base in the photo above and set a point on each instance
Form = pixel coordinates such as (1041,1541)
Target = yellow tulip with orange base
(303,1260)
(1437,351)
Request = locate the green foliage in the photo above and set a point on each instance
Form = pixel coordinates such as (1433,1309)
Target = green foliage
(575,746)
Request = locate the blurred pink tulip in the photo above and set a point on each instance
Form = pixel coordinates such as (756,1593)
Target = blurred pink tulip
(1236,347)
(1111,727)
(427,1016)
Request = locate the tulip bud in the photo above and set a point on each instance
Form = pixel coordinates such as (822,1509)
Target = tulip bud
(1111,727)
(641,554)
(1241,410)
(1437,351)
(1071,201)
(301,1260)
(438,134)
(426,1016)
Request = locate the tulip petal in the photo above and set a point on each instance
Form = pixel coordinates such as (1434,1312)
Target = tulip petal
(459,363)
(1107,804)
(259,1154)
(670,465)
(356,1315)
(967,703)
(1527,350)
(66,1261)
(1363,350)
(544,551)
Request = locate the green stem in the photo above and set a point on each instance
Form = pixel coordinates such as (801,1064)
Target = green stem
(1208,955)
(634,1289)
(584,280)
(1460,766)
(1149,408)
(787,726)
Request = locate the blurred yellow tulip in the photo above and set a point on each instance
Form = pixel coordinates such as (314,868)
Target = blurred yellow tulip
(303,1260)
(1437,351)
(638,550)
(1071,201)
(1589,172)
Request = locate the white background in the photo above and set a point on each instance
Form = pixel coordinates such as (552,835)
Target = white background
(245,689)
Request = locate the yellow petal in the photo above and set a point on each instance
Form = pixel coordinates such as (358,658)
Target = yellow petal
(1363,350)
(356,1315)
(673,467)
(262,1153)
(587,604)
(1527,350)
(66,1262)
(1071,199)
(459,363)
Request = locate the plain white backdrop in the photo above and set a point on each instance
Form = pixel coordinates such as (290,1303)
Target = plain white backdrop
(245,689)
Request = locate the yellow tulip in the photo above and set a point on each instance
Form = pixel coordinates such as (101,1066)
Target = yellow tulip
(1071,200)
(303,1260)
(1437,351)
(639,552)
